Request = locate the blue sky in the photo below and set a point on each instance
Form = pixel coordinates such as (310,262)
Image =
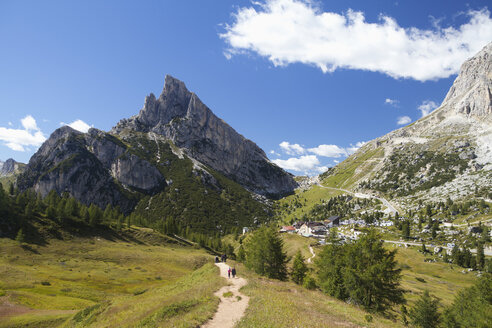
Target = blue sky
(308,81)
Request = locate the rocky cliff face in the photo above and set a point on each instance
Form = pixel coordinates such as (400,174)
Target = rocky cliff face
(10,167)
(93,167)
(180,116)
(471,93)
(174,160)
(446,153)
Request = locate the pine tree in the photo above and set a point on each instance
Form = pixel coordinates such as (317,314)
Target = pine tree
(95,215)
(241,255)
(471,306)
(363,271)
(425,313)
(299,269)
(265,254)
(4,202)
(480,256)
(50,212)
(20,238)
(404,315)
(28,211)
(406,229)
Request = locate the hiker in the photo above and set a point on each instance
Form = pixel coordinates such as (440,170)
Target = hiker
(233,271)
(216,259)
(224,258)
(229,273)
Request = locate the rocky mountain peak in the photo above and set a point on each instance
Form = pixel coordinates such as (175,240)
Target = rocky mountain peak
(173,102)
(10,167)
(181,117)
(471,93)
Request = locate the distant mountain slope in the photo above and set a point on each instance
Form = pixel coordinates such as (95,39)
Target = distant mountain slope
(174,160)
(10,167)
(9,170)
(447,153)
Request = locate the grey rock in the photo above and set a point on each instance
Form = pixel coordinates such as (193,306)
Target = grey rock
(135,172)
(180,116)
(91,167)
(471,93)
(8,168)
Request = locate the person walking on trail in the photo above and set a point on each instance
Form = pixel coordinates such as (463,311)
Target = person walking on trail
(233,271)
(229,273)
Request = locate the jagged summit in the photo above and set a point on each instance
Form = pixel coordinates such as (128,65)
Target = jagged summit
(10,167)
(173,102)
(471,93)
(180,116)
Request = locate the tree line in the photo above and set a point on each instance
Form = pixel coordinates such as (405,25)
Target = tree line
(18,210)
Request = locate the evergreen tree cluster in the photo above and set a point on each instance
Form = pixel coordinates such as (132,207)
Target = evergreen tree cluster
(19,209)
(363,272)
(472,307)
(345,206)
(265,255)
(464,258)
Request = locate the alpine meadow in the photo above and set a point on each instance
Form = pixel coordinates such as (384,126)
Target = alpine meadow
(365,199)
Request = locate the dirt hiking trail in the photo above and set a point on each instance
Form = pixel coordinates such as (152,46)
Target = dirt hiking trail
(231,309)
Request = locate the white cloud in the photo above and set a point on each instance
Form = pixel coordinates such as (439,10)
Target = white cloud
(307,164)
(403,120)
(78,125)
(426,107)
(19,139)
(353,148)
(328,151)
(335,161)
(10,123)
(391,102)
(297,31)
(292,149)
(273,152)
(29,123)
(323,150)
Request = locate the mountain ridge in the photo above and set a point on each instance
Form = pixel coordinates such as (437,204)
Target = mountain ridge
(444,154)
(174,162)
(181,116)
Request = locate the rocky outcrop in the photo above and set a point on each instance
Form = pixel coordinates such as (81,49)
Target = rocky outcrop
(93,167)
(180,116)
(10,167)
(471,93)
(447,153)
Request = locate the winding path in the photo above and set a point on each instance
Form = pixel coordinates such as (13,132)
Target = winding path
(231,309)
(309,260)
(487,251)
(385,202)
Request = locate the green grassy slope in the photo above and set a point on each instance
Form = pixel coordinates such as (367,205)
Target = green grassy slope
(356,167)
(293,207)
(113,280)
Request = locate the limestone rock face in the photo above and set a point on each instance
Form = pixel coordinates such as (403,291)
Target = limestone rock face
(180,116)
(122,167)
(10,167)
(471,93)
(447,153)
(92,167)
